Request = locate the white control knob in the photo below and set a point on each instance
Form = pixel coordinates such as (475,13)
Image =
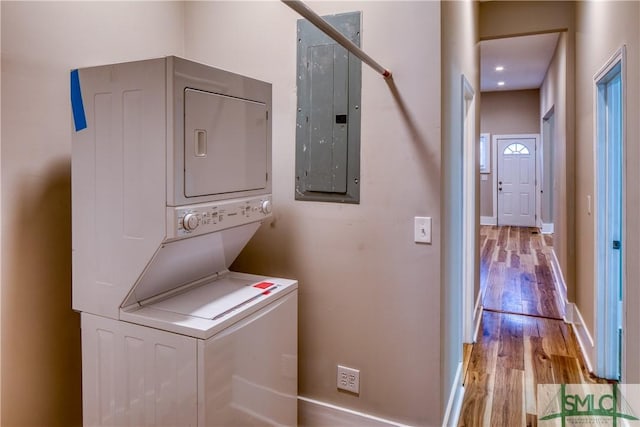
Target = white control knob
(190,222)
(265,207)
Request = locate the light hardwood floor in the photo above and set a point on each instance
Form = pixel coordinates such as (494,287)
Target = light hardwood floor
(515,272)
(524,342)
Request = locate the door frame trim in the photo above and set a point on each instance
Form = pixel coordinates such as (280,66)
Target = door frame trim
(602,325)
(494,150)
(545,150)
(470,174)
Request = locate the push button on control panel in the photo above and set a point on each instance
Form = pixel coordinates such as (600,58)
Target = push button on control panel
(190,222)
(265,207)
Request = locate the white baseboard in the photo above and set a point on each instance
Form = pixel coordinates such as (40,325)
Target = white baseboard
(313,413)
(547,228)
(454,405)
(561,285)
(572,315)
(585,339)
(477,316)
(488,220)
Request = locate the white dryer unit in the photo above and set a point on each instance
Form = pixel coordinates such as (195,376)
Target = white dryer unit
(171,177)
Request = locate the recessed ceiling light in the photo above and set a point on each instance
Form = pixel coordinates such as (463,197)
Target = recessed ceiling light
(499,68)
(500,83)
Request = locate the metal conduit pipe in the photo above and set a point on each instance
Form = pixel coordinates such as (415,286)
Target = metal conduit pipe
(330,30)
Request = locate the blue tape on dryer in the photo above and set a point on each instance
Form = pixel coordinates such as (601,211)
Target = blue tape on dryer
(77,106)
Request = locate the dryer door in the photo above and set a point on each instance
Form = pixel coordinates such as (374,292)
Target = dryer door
(225,144)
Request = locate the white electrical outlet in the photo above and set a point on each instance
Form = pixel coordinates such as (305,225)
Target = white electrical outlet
(422,229)
(349,379)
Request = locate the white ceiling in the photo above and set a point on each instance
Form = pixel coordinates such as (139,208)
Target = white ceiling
(525,60)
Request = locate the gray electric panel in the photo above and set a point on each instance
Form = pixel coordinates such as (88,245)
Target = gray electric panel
(328,118)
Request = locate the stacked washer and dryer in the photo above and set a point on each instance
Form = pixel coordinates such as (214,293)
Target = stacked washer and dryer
(171,177)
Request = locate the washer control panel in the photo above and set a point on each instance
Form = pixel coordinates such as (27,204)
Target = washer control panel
(204,218)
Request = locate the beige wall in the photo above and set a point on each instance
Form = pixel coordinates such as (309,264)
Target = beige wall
(501,113)
(369,296)
(553,96)
(602,28)
(41,42)
(510,18)
(460,56)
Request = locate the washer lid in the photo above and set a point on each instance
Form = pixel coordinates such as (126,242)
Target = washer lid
(205,310)
(181,262)
(215,299)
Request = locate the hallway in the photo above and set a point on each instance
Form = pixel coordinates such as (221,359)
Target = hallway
(524,341)
(515,272)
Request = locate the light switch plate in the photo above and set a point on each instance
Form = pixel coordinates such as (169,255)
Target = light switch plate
(422,229)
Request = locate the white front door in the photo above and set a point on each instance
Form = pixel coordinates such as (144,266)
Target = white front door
(517,182)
